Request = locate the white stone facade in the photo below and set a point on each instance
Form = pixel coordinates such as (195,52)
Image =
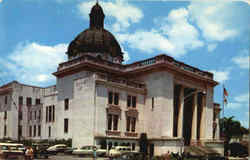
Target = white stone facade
(87,93)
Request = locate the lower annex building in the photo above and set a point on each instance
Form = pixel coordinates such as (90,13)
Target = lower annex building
(97,98)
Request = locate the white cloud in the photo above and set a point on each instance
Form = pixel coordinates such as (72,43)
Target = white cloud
(126,56)
(211,47)
(175,36)
(220,76)
(239,102)
(219,21)
(146,41)
(33,63)
(234,105)
(1,1)
(124,13)
(242,60)
(243,98)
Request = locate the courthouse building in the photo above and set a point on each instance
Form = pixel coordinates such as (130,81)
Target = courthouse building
(97,98)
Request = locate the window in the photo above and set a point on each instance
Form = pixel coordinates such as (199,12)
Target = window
(5,115)
(66,104)
(49,131)
(5,130)
(66,123)
(53,113)
(29,101)
(6,100)
(30,131)
(20,100)
(131,123)
(39,115)
(20,115)
(133,146)
(49,113)
(128,124)
(34,134)
(113,98)
(35,115)
(131,101)
(20,129)
(134,101)
(39,130)
(153,103)
(115,127)
(110,97)
(116,99)
(109,121)
(38,101)
(113,122)
(128,101)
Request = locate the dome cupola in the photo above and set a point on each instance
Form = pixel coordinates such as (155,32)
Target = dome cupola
(96,40)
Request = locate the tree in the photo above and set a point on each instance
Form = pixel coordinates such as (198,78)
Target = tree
(230,128)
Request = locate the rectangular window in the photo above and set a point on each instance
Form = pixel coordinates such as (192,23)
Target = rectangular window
(134,101)
(6,100)
(53,113)
(34,134)
(39,115)
(5,130)
(66,123)
(109,121)
(110,97)
(29,101)
(153,103)
(35,115)
(20,115)
(116,99)
(115,127)
(20,129)
(128,124)
(20,100)
(30,131)
(66,104)
(49,131)
(128,101)
(5,115)
(39,130)
(49,113)
(38,101)
(133,124)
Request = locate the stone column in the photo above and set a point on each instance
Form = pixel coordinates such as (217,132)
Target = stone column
(181,113)
(194,119)
(203,111)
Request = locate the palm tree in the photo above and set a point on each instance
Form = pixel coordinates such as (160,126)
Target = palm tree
(230,128)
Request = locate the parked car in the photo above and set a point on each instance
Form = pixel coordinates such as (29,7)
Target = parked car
(130,156)
(40,150)
(118,150)
(69,150)
(89,151)
(11,150)
(59,148)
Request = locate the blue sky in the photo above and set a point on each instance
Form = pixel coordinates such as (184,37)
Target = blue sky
(213,36)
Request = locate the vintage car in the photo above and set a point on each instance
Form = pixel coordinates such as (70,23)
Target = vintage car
(59,148)
(11,150)
(130,156)
(89,151)
(40,150)
(118,150)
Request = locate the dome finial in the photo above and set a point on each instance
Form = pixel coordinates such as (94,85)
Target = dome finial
(96,16)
